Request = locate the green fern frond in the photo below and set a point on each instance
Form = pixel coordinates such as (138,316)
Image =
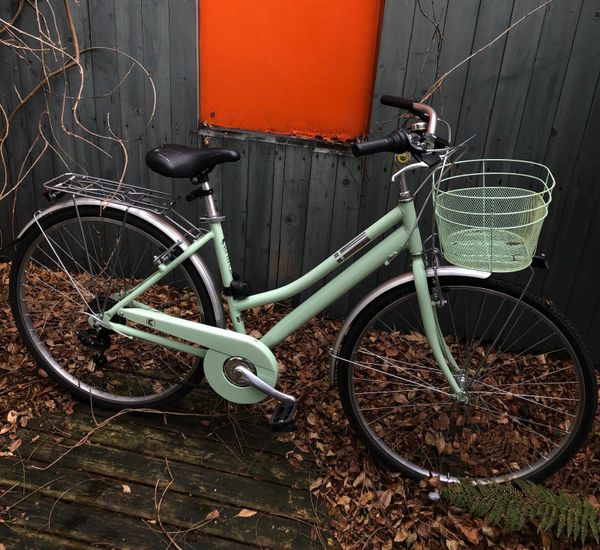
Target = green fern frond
(515,504)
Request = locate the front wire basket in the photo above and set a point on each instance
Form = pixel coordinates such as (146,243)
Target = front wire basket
(490,212)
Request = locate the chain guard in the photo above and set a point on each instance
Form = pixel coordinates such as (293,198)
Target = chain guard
(221,345)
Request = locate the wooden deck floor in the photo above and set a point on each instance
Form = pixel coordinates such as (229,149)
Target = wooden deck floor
(199,473)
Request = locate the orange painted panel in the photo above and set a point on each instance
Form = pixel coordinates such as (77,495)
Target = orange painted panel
(301,67)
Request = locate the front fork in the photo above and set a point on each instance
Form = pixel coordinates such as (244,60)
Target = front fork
(439,347)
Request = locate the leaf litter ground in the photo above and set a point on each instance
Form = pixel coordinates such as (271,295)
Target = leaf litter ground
(370,506)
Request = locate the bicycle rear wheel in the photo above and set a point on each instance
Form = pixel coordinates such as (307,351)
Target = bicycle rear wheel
(79,262)
(530,386)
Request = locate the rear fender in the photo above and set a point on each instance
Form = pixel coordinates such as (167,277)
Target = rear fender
(161,223)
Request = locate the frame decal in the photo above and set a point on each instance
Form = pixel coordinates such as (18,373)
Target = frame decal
(351,248)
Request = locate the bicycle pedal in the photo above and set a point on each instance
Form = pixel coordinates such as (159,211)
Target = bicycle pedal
(282,419)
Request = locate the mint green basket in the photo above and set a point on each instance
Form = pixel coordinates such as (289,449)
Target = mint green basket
(490,212)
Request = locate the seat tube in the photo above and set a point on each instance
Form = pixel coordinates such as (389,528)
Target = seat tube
(226,274)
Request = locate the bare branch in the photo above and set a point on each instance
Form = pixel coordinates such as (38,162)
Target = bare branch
(435,86)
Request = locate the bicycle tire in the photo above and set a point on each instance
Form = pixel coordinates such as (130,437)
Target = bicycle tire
(62,354)
(431,445)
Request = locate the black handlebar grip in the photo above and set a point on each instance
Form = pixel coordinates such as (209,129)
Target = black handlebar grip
(400,102)
(396,142)
(403,103)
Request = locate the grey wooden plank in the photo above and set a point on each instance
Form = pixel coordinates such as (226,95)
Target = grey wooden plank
(422,71)
(7,99)
(373,200)
(423,65)
(155,15)
(183,95)
(293,212)
(547,79)
(584,296)
(572,279)
(321,210)
(61,89)
(393,58)
(459,28)
(23,131)
(561,156)
(482,73)
(591,335)
(106,96)
(258,221)
(134,87)
(84,122)
(92,525)
(276,205)
(216,178)
(216,181)
(235,203)
(344,226)
(20,537)
(551,62)
(180,511)
(513,82)
(392,65)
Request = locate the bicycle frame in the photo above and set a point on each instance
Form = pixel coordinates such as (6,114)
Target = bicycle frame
(407,236)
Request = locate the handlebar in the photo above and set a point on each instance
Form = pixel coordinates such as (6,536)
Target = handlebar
(399,141)
(423,111)
(396,142)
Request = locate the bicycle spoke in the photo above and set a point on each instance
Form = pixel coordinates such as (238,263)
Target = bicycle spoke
(521,401)
(82,264)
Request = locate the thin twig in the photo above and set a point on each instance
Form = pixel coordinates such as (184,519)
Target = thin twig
(435,86)
(62,495)
(15,17)
(158,506)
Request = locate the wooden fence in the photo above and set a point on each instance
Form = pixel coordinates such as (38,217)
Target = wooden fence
(532,94)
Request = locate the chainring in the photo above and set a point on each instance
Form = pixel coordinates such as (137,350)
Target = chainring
(218,378)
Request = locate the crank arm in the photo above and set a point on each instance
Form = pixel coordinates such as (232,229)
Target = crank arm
(255,381)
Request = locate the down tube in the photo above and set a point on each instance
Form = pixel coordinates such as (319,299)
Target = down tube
(337,287)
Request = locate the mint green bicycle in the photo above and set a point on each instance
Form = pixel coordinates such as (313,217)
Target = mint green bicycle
(442,371)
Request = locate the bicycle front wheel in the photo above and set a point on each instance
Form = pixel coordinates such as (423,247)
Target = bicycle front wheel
(530,389)
(77,263)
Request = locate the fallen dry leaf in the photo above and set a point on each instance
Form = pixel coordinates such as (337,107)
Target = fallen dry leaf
(245,513)
(470,533)
(315,484)
(212,515)
(386,498)
(14,445)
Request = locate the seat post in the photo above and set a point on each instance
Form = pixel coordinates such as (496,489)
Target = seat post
(206,192)
(209,203)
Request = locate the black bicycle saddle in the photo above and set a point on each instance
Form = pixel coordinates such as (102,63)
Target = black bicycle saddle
(179,161)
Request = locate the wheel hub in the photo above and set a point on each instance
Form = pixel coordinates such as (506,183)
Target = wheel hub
(100,304)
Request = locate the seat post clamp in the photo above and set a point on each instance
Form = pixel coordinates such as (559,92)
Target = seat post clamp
(199,193)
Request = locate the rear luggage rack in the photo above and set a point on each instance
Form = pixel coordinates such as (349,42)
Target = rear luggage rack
(110,191)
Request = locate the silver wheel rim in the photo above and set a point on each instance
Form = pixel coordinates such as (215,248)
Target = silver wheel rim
(404,373)
(48,356)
